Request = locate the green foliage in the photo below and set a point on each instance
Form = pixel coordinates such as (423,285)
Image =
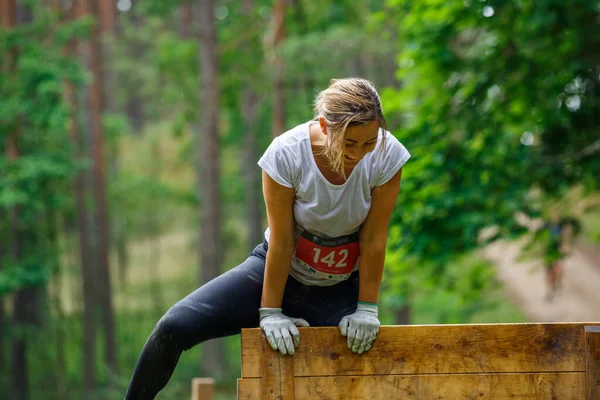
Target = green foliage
(38,169)
(497,98)
(453,295)
(161,8)
(311,57)
(147,194)
(483,103)
(156,66)
(28,271)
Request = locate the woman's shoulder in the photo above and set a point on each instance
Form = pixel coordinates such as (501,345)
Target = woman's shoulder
(292,144)
(392,141)
(294,137)
(286,155)
(389,156)
(390,147)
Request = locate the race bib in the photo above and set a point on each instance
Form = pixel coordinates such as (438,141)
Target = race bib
(332,258)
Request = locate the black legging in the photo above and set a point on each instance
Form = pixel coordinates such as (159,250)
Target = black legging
(222,307)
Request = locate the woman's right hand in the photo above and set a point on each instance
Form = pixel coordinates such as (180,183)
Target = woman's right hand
(281,331)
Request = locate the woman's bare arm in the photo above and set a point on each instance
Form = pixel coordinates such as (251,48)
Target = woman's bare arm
(279,202)
(373,238)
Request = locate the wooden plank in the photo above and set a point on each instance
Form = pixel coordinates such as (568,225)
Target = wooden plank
(249,389)
(251,353)
(567,385)
(277,373)
(202,388)
(592,364)
(523,386)
(539,347)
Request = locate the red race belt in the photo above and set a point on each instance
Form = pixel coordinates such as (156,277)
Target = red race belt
(336,256)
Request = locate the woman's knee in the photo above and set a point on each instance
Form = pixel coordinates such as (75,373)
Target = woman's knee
(174,329)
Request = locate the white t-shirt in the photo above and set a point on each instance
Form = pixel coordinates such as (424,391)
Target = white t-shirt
(334,213)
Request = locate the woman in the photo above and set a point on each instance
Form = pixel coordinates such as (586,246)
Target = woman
(330,186)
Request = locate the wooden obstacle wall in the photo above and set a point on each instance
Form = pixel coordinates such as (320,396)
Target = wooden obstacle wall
(488,361)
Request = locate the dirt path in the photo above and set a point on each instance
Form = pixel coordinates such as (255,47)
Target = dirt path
(579,299)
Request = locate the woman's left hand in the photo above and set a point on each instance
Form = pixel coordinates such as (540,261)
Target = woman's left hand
(361,327)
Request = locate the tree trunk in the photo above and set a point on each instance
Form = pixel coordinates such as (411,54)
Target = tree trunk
(3,324)
(61,351)
(7,20)
(24,13)
(23,306)
(250,104)
(135,102)
(155,244)
(273,39)
(101,218)
(84,117)
(85,245)
(208,169)
(24,298)
(19,382)
(186,13)
(107,13)
(26,301)
(51,241)
(109,79)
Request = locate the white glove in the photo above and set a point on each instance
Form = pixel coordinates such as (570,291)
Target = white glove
(280,329)
(361,327)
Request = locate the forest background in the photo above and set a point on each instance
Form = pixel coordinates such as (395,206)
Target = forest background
(130,131)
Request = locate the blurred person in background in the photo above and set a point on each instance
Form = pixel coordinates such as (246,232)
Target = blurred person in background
(559,233)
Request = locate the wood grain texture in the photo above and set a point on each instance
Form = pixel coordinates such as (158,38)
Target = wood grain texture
(525,386)
(251,353)
(487,348)
(202,388)
(592,362)
(249,389)
(277,373)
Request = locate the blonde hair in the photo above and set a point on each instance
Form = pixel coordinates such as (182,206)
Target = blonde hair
(346,102)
